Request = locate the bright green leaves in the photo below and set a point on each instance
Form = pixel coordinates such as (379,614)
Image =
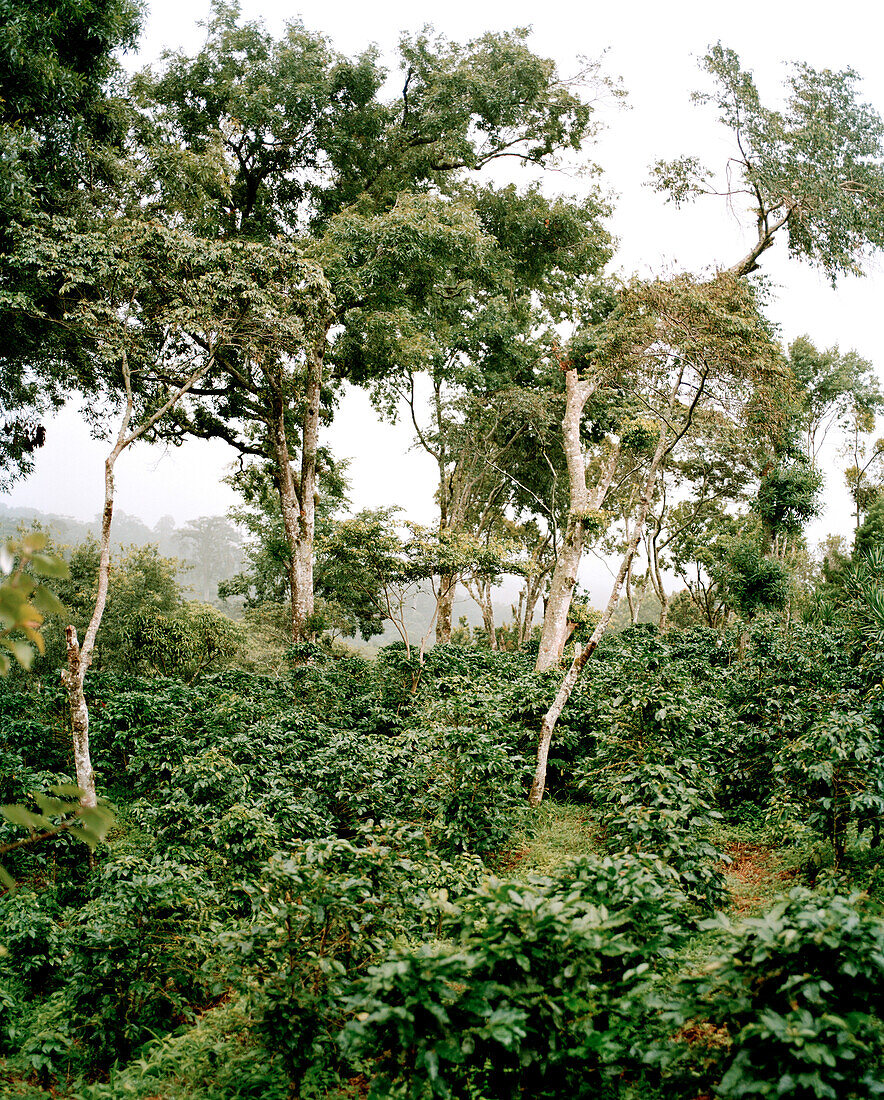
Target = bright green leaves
(797,995)
(24,601)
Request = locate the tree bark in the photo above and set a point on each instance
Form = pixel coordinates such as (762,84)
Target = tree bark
(564,578)
(79,658)
(488,616)
(74,683)
(561,591)
(445,608)
(298,499)
(551,717)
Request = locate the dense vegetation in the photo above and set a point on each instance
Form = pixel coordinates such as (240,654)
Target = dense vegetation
(325,883)
(240,858)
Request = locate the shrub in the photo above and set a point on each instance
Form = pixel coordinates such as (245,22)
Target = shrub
(798,997)
(538,996)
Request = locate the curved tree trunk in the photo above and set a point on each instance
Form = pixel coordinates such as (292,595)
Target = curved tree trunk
(79,658)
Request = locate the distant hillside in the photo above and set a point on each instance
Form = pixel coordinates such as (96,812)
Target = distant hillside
(210,548)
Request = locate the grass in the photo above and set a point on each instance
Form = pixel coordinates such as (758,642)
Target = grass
(560,831)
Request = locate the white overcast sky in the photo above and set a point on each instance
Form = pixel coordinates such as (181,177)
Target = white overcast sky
(654,48)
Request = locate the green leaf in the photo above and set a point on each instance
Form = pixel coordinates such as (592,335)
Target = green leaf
(33,543)
(21,650)
(18,815)
(49,565)
(47,601)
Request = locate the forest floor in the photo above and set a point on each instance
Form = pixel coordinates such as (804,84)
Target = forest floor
(757,874)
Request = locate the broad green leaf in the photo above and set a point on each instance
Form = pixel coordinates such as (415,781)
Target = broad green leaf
(48,565)
(47,601)
(18,815)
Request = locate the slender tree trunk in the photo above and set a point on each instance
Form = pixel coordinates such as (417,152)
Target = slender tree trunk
(573,674)
(74,683)
(564,578)
(79,658)
(633,611)
(485,590)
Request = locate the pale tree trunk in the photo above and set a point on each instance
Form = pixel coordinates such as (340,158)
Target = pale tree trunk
(564,578)
(571,677)
(561,590)
(655,573)
(488,620)
(79,658)
(298,500)
(483,597)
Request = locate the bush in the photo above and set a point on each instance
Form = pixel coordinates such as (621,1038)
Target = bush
(798,998)
(538,996)
(135,956)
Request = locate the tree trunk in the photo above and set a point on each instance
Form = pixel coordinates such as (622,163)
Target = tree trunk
(561,592)
(74,678)
(564,578)
(298,501)
(445,608)
(551,717)
(79,658)
(485,590)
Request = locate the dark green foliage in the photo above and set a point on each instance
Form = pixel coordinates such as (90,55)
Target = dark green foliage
(315,851)
(788,496)
(318,919)
(667,813)
(135,955)
(834,775)
(535,996)
(798,993)
(752,581)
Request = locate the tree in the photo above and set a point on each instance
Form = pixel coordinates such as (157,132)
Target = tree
(61,129)
(24,603)
(813,172)
(682,344)
(152,307)
(491,386)
(212,548)
(834,389)
(255,138)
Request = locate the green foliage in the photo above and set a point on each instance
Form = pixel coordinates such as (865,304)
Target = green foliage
(198,638)
(24,601)
(788,497)
(474,797)
(799,994)
(814,167)
(752,581)
(835,774)
(319,917)
(668,813)
(135,958)
(535,996)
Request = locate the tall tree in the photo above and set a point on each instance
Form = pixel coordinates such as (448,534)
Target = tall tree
(258,138)
(61,131)
(813,172)
(490,381)
(147,305)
